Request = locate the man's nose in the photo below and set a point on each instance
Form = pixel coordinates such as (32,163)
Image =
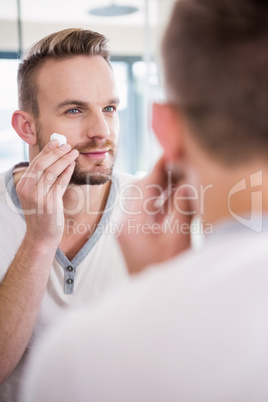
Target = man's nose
(97,126)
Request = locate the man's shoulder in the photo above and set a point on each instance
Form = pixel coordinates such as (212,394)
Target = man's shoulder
(6,177)
(3,178)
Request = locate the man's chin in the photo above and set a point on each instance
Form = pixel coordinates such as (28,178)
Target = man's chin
(91,178)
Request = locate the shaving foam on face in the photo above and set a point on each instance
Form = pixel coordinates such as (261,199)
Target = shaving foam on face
(60,138)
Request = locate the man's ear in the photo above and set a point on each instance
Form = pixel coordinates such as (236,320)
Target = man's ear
(24,124)
(167,125)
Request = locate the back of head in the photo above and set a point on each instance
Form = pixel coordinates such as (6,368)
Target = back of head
(216,67)
(57,46)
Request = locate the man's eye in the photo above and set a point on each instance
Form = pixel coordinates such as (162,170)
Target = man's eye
(72,111)
(109,109)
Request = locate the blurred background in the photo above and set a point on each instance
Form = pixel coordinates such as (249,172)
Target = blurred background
(134,28)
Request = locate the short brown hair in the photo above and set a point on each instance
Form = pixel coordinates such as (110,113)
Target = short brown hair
(216,66)
(57,46)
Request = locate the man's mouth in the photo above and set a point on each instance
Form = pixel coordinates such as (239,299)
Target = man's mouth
(96,154)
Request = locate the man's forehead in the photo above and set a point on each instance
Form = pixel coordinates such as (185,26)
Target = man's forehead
(76,58)
(71,67)
(77,78)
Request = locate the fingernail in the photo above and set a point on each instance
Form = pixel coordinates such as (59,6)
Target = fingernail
(74,152)
(53,144)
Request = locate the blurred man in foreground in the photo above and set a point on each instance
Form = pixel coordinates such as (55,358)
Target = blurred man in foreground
(194,327)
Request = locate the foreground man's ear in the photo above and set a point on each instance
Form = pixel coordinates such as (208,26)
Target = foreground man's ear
(168,127)
(23,124)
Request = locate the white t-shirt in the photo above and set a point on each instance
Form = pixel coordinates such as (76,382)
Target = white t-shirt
(193,329)
(97,267)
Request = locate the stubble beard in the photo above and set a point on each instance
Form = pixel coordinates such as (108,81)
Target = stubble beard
(97,174)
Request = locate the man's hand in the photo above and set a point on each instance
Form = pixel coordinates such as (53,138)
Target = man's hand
(40,191)
(155,221)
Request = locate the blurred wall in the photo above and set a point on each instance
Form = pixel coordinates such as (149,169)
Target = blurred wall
(127,36)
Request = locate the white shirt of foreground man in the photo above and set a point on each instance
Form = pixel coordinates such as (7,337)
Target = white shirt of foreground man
(194,331)
(193,328)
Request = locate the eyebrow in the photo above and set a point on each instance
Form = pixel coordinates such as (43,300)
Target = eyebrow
(68,102)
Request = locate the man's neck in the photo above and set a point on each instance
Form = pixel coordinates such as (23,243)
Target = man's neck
(80,201)
(234,194)
(84,207)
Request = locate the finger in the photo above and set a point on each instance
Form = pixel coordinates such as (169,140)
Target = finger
(47,159)
(157,177)
(147,190)
(53,172)
(163,205)
(57,191)
(65,177)
(178,204)
(159,187)
(49,155)
(48,148)
(38,187)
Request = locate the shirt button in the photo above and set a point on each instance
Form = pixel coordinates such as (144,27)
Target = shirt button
(70,281)
(70,268)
